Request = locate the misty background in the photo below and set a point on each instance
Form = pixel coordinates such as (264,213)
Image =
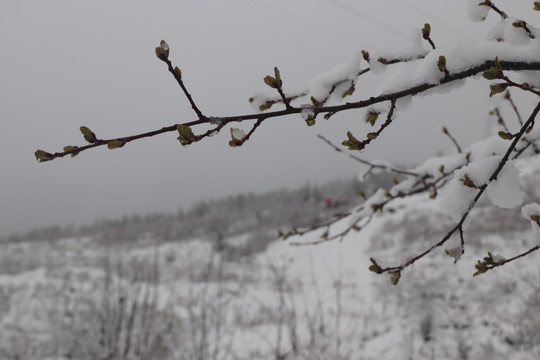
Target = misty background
(65,64)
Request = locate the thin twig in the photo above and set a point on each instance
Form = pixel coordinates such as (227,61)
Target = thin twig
(514,107)
(178,78)
(523,24)
(368,163)
(453,139)
(328,223)
(495,8)
(520,120)
(425,186)
(500,119)
(341,235)
(524,86)
(520,151)
(506,261)
(246,138)
(284,98)
(462,240)
(389,118)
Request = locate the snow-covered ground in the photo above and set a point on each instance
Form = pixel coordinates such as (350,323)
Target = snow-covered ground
(79,299)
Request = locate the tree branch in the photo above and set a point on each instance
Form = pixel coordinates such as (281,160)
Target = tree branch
(481,190)
(508,65)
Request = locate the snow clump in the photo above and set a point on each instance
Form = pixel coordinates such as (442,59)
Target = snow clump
(348,71)
(477,13)
(237,134)
(532,212)
(504,191)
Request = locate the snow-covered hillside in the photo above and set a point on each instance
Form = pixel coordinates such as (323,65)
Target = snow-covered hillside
(90,298)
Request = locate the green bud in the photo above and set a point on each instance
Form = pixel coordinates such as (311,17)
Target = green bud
(394,277)
(371,117)
(467,181)
(505,135)
(88,134)
(186,136)
(365,55)
(480,268)
(349,91)
(352,143)
(71,148)
(177,72)
(489,75)
(265,106)
(426,31)
(316,102)
(497,63)
(375,267)
(43,156)
(115,144)
(372,135)
(277,76)
(162,51)
(351,136)
(310,121)
(441,64)
(497,88)
(270,81)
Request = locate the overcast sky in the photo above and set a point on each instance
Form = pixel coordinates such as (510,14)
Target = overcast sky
(70,63)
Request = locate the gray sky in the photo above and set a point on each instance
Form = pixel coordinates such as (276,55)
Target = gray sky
(70,63)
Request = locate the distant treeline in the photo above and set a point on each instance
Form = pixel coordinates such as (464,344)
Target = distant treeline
(254,213)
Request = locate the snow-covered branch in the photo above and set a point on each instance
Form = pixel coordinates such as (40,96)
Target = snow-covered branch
(485,168)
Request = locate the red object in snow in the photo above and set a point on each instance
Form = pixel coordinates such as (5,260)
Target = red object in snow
(330,202)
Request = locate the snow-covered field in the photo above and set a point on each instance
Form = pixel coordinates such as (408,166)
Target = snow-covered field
(79,298)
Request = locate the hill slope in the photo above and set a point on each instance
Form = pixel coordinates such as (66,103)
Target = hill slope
(212,294)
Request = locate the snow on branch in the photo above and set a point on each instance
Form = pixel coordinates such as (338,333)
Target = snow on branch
(485,168)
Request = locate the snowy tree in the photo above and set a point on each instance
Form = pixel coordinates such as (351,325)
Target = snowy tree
(490,168)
